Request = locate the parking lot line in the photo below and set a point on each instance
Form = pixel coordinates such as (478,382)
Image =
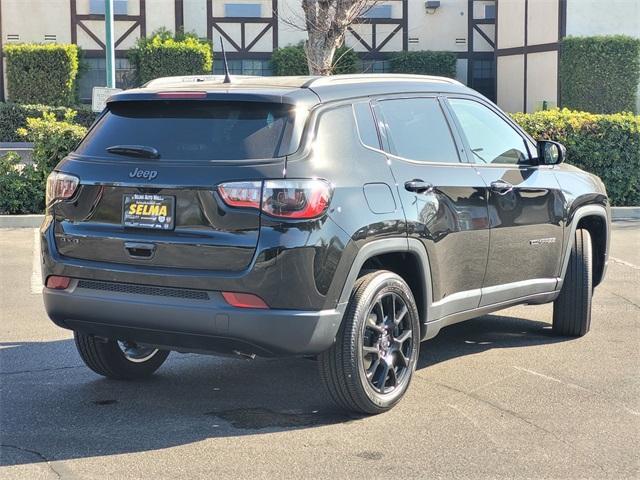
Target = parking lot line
(36,269)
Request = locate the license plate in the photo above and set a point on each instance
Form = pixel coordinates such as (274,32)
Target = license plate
(148,211)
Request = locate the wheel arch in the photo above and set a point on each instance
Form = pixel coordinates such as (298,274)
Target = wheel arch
(595,220)
(405,257)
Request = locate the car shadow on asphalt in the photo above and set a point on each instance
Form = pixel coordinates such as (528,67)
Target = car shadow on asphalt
(53,408)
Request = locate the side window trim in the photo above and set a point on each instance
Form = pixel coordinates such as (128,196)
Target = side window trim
(385,138)
(467,148)
(371,112)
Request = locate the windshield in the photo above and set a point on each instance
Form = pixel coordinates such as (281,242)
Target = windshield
(193,130)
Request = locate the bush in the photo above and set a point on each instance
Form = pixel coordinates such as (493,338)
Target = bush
(600,74)
(607,145)
(22,187)
(292,60)
(165,55)
(425,63)
(14,116)
(52,139)
(42,73)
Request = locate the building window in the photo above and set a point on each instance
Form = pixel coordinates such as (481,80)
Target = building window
(483,77)
(237,66)
(96,7)
(243,10)
(375,66)
(490,11)
(378,11)
(95,75)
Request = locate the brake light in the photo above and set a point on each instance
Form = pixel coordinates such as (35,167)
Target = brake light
(295,199)
(181,95)
(241,194)
(58,283)
(60,186)
(244,300)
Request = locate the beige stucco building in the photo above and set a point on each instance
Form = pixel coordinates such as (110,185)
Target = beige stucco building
(507,49)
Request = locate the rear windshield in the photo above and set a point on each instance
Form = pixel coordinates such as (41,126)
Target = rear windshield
(194,130)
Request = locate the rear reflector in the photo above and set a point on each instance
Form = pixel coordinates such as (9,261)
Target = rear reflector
(181,95)
(244,300)
(58,283)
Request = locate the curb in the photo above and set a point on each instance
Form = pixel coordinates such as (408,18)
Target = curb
(20,221)
(34,221)
(625,213)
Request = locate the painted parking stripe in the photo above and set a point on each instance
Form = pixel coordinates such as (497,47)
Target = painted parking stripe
(625,263)
(36,268)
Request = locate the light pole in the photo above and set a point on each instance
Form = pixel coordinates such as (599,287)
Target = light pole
(109,49)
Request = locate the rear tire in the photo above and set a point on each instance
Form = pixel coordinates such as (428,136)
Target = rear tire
(381,325)
(107,358)
(572,308)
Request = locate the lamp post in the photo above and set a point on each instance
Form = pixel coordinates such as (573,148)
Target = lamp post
(109,48)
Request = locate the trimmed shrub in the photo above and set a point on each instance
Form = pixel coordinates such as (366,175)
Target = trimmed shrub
(22,187)
(14,116)
(425,63)
(164,55)
(600,74)
(52,140)
(292,60)
(607,145)
(42,73)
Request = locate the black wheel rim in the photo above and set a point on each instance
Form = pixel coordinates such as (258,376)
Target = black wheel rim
(387,343)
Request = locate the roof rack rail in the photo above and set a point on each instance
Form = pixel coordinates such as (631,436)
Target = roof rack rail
(373,77)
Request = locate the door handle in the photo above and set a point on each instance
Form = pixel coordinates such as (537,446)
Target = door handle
(501,188)
(418,186)
(140,250)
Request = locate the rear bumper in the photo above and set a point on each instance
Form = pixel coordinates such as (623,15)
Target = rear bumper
(206,324)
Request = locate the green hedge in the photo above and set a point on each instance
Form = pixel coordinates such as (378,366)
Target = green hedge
(607,145)
(425,63)
(292,60)
(42,73)
(14,116)
(21,186)
(600,74)
(165,55)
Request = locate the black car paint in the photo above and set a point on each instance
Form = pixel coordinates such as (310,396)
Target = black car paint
(306,266)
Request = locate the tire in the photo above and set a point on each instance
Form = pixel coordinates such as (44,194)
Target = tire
(107,358)
(348,369)
(572,308)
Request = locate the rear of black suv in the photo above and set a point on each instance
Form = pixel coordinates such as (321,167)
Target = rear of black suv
(172,227)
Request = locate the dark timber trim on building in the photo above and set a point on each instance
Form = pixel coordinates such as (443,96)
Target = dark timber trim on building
(244,48)
(373,50)
(77,22)
(473,26)
(526,49)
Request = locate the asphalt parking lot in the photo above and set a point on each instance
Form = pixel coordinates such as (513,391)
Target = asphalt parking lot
(497,397)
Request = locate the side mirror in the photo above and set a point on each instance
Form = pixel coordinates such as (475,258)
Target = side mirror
(551,153)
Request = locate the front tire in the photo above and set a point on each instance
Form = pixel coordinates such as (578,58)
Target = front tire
(116,359)
(370,366)
(572,308)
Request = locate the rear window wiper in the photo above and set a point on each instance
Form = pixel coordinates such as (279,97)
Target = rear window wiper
(141,151)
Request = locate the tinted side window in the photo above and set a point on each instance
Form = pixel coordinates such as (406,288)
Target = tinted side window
(418,130)
(491,139)
(366,124)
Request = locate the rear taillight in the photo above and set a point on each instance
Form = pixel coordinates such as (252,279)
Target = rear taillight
(241,194)
(295,199)
(61,186)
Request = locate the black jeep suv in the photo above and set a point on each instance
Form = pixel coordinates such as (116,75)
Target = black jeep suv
(347,218)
